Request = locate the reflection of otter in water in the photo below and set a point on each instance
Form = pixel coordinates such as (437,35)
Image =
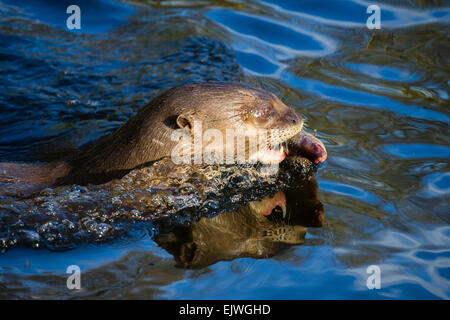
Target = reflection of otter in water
(146,137)
(259,230)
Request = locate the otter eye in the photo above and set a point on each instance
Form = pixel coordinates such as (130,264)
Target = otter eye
(263,112)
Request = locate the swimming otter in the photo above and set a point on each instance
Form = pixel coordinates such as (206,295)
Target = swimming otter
(148,136)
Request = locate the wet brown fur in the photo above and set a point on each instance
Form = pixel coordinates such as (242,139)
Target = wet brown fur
(146,137)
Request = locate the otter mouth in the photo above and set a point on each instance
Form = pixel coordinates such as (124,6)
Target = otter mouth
(277,213)
(274,154)
(277,148)
(302,144)
(268,206)
(292,140)
(277,209)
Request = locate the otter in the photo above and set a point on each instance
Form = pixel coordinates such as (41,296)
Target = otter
(131,175)
(148,136)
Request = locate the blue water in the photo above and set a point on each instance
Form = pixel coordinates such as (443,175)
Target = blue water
(377,98)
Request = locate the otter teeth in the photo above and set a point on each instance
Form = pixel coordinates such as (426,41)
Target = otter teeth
(278,147)
(283,208)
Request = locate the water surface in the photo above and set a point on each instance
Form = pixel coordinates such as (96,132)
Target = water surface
(377,98)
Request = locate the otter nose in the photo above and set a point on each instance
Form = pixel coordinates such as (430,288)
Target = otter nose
(292,117)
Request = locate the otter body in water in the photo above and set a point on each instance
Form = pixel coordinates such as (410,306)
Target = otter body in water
(131,176)
(148,136)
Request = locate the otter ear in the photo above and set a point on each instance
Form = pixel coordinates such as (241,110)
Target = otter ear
(184,122)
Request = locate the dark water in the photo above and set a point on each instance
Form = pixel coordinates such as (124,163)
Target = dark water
(377,98)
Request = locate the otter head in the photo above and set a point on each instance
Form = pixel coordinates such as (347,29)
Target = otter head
(233,122)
